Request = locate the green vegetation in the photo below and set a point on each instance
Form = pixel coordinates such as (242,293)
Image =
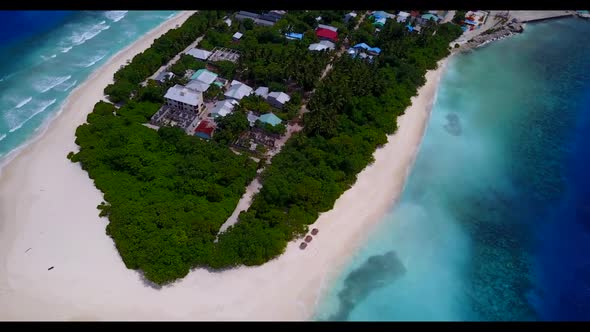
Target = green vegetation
(185,63)
(230,127)
(167,194)
(352,111)
(459,16)
(162,50)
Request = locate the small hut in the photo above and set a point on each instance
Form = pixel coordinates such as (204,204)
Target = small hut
(308,238)
(314,231)
(303,245)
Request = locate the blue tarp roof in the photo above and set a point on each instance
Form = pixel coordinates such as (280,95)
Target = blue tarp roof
(375,49)
(270,119)
(470,22)
(410,28)
(362,45)
(294,35)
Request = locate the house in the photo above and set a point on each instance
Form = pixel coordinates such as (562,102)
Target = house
(262,92)
(242,15)
(197,85)
(417,28)
(252,118)
(402,17)
(238,90)
(369,49)
(270,17)
(279,12)
(237,36)
(270,119)
(264,22)
(349,16)
(328,27)
(180,98)
(381,14)
(322,45)
(380,22)
(278,99)
(199,54)
(228,22)
(326,34)
(204,76)
(222,108)
(293,36)
(205,129)
(163,76)
(428,17)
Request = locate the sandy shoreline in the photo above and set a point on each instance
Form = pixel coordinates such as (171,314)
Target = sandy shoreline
(48,204)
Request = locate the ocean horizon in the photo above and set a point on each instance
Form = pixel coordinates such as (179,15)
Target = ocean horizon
(494,221)
(47,54)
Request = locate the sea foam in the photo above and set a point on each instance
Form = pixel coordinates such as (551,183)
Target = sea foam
(41,107)
(45,84)
(116,15)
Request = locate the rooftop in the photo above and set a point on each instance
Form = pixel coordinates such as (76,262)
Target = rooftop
(184,95)
(326,33)
(237,35)
(204,76)
(238,90)
(223,107)
(197,85)
(293,35)
(199,53)
(262,91)
(271,119)
(205,129)
(281,97)
(328,27)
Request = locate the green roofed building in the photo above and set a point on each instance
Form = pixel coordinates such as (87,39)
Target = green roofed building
(271,119)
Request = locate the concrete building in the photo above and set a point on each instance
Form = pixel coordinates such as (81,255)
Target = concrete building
(183,99)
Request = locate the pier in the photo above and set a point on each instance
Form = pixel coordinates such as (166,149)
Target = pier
(524,16)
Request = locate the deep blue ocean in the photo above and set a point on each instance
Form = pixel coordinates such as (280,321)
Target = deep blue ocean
(494,221)
(44,55)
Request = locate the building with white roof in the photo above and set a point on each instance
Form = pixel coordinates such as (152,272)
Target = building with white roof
(238,90)
(322,45)
(278,99)
(223,108)
(199,53)
(181,98)
(262,92)
(402,16)
(237,35)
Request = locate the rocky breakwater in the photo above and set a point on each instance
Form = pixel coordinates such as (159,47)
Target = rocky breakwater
(494,34)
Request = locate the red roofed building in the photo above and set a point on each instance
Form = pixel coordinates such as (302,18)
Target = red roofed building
(205,129)
(326,34)
(415,13)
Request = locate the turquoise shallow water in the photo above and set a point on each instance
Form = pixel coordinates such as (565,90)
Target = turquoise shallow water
(494,222)
(40,68)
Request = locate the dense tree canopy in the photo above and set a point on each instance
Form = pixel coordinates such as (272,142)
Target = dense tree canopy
(167,194)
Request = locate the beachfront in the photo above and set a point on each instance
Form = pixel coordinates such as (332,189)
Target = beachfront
(42,228)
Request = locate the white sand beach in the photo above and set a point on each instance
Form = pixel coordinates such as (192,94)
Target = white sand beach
(48,218)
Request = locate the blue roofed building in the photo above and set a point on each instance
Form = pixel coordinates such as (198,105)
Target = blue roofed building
(293,36)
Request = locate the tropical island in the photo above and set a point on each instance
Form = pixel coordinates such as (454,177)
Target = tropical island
(340,79)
